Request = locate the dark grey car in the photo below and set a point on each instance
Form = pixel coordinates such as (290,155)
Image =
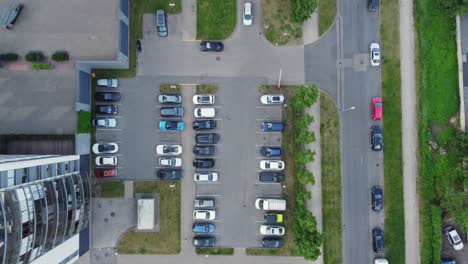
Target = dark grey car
(172,111)
(208,241)
(207,138)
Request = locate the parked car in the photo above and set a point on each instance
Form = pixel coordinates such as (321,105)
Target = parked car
(272,230)
(204,150)
(204,241)
(170,99)
(107,96)
(106,160)
(205,176)
(106,109)
(270,176)
(204,214)
(376,108)
(377,199)
(272,217)
(201,228)
(203,163)
(272,99)
(211,46)
(207,138)
(270,151)
(105,172)
(377,240)
(161,23)
(247,17)
(375,53)
(204,112)
(105,148)
(272,242)
(104,122)
(171,125)
(373,5)
(453,237)
(270,204)
(204,124)
(110,83)
(170,162)
(272,126)
(277,165)
(172,111)
(169,174)
(376,138)
(204,203)
(448,261)
(168,149)
(203,99)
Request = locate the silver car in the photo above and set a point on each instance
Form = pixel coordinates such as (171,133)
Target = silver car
(110,83)
(204,203)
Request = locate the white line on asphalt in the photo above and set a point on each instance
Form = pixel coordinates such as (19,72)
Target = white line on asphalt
(273,106)
(259,183)
(269,132)
(207,195)
(208,182)
(261,221)
(109,129)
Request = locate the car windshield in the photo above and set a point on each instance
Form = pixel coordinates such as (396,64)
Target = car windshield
(378,104)
(169,149)
(275,98)
(248,17)
(105,148)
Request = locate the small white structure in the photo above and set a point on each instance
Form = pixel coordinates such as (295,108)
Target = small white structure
(145,214)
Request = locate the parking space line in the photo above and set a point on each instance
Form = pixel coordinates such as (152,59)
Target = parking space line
(269,132)
(276,106)
(260,183)
(109,129)
(260,221)
(207,195)
(207,182)
(108,116)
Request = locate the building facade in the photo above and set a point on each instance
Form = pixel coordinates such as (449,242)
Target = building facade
(44,204)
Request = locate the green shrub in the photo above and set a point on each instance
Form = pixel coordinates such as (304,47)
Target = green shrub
(436,217)
(9,57)
(35,56)
(302,9)
(60,56)
(42,66)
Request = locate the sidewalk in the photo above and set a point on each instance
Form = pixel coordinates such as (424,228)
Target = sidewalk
(310,29)
(189,19)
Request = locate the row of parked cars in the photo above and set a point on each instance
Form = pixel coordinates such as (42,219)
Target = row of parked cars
(106,106)
(272,228)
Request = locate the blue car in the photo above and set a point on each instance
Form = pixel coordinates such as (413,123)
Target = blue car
(270,151)
(203,228)
(272,126)
(171,125)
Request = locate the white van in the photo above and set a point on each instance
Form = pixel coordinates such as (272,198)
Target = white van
(272,204)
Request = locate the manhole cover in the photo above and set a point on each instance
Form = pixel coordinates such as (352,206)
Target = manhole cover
(106,255)
(112,214)
(218,58)
(106,220)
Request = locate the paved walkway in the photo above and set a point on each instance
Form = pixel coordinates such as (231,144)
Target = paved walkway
(310,30)
(315,203)
(409,137)
(189,19)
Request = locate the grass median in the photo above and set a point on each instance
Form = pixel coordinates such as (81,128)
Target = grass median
(277,24)
(206,89)
(167,240)
(215,19)
(331,180)
(109,189)
(393,163)
(215,251)
(326,15)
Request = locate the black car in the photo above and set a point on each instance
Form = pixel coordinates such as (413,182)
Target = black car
(373,5)
(376,138)
(207,138)
(211,46)
(107,96)
(270,176)
(205,241)
(204,124)
(204,150)
(169,174)
(377,240)
(377,198)
(272,242)
(172,111)
(203,163)
(106,109)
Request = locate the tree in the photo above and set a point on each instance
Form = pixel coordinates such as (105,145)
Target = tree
(302,9)
(304,176)
(304,137)
(306,236)
(304,156)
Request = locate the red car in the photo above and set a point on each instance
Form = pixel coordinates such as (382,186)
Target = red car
(105,172)
(376,108)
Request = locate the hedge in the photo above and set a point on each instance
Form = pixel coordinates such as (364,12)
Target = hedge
(9,57)
(60,56)
(42,66)
(35,56)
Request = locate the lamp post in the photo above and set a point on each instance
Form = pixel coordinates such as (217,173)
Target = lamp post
(349,108)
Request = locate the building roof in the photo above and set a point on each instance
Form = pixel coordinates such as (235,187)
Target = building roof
(145,214)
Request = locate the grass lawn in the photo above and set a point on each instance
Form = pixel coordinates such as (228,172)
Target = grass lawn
(109,189)
(326,14)
(137,9)
(393,165)
(206,89)
(277,24)
(170,88)
(167,240)
(214,251)
(438,102)
(84,122)
(288,146)
(215,19)
(331,180)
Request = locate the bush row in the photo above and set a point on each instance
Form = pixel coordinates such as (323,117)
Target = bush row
(302,9)
(306,236)
(42,66)
(36,56)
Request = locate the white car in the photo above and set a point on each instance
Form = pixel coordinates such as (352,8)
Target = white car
(272,99)
(205,176)
(453,238)
(205,112)
(106,160)
(204,214)
(375,54)
(101,148)
(111,83)
(247,17)
(105,122)
(271,230)
(203,99)
(277,165)
(168,149)
(170,162)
